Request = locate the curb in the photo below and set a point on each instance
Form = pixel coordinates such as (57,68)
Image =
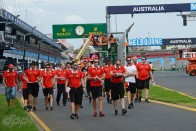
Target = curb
(37,119)
(177,92)
(173,105)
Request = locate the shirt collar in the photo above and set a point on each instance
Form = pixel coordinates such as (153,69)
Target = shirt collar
(9,71)
(72,71)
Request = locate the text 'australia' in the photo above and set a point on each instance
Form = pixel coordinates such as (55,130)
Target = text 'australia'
(148,9)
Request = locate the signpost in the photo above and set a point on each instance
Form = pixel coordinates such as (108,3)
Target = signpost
(71,31)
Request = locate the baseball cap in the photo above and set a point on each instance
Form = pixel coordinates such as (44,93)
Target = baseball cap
(11,66)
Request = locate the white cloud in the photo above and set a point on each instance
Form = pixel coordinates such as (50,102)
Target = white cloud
(74,19)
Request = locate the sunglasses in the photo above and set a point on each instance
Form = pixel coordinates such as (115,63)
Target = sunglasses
(128,60)
(96,62)
(47,67)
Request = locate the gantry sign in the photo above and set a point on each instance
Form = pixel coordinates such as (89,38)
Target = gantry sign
(139,9)
(159,8)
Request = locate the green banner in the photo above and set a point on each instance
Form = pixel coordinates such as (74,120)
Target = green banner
(71,31)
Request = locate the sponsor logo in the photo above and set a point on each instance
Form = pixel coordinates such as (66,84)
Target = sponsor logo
(193,6)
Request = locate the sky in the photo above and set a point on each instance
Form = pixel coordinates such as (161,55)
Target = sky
(45,13)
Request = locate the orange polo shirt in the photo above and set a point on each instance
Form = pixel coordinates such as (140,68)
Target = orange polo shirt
(93,72)
(106,70)
(32,75)
(114,69)
(74,78)
(24,83)
(10,78)
(61,73)
(143,71)
(47,78)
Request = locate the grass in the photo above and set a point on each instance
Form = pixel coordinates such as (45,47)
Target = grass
(161,94)
(14,119)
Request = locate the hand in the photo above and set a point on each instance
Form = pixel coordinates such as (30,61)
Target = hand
(43,86)
(84,89)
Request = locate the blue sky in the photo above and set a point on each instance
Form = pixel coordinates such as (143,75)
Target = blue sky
(45,13)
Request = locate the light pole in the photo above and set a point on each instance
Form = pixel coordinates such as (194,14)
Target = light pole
(25,45)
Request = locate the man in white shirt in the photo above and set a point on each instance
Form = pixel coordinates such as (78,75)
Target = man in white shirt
(130,82)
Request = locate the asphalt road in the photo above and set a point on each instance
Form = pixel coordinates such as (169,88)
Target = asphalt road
(176,80)
(145,117)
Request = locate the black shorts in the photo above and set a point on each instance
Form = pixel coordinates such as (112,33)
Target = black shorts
(107,83)
(33,89)
(48,91)
(25,94)
(88,88)
(76,95)
(96,91)
(143,84)
(131,88)
(117,90)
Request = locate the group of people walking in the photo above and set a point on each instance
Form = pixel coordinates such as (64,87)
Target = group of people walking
(73,79)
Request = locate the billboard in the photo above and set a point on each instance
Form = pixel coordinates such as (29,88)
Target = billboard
(71,31)
(146,41)
(158,8)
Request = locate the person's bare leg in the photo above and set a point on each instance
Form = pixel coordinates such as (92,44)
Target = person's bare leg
(100,104)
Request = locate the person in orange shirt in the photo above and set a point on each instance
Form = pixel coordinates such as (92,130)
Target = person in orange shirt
(75,78)
(61,78)
(107,81)
(10,80)
(117,73)
(47,82)
(96,75)
(144,72)
(32,76)
(23,86)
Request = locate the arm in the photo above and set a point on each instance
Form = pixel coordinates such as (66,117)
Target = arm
(66,83)
(4,82)
(42,82)
(152,79)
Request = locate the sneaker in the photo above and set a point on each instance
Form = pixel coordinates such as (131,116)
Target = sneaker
(101,114)
(34,108)
(110,101)
(116,112)
(95,114)
(90,99)
(129,106)
(51,108)
(46,108)
(72,116)
(76,116)
(64,104)
(146,100)
(124,111)
(140,99)
(81,106)
(29,108)
(132,106)
(25,108)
